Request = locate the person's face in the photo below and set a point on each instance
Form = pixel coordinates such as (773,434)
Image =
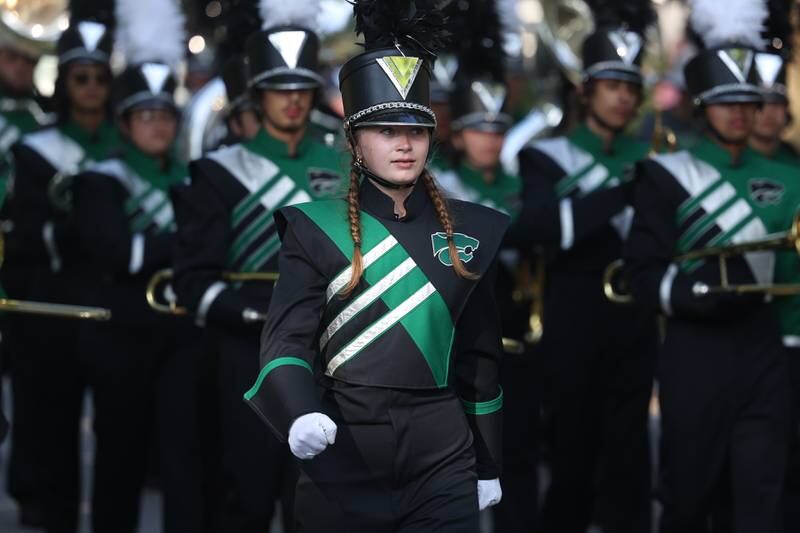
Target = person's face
(287,110)
(733,122)
(770,120)
(244,124)
(481,148)
(88,86)
(16,71)
(395,153)
(614,102)
(153,130)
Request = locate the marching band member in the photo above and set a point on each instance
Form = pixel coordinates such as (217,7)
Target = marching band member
(225,224)
(382,340)
(597,357)
(241,114)
(723,382)
(140,364)
(20,112)
(44,240)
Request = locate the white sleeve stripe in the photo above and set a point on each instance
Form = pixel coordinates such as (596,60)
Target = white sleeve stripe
(49,238)
(567,224)
(791,341)
(137,254)
(207,300)
(665,289)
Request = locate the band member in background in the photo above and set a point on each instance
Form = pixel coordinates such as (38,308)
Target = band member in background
(241,115)
(597,357)
(43,240)
(478,123)
(140,365)
(378,356)
(225,225)
(723,376)
(20,112)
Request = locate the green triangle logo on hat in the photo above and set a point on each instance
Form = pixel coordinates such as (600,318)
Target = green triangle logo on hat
(402,71)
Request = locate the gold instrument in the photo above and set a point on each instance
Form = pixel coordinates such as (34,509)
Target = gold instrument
(171,306)
(56,310)
(33,26)
(46,308)
(662,137)
(529,289)
(785,240)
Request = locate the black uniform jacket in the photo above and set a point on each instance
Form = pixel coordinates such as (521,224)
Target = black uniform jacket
(412,323)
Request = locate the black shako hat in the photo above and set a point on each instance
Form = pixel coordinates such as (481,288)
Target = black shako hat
(390,83)
(85,40)
(146,85)
(283,58)
(725,71)
(616,48)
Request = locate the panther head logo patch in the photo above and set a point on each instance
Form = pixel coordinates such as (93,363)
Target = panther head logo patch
(465,245)
(765,192)
(323,182)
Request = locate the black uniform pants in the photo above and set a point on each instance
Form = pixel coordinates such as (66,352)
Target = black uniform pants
(598,360)
(402,462)
(520,377)
(257,469)
(142,379)
(792,500)
(724,392)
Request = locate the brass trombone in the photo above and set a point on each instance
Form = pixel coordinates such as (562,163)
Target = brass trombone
(785,240)
(172,308)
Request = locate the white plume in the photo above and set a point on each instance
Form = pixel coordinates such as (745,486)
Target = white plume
(719,22)
(151,30)
(302,13)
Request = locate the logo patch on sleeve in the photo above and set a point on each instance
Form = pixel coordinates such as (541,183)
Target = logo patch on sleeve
(465,245)
(765,192)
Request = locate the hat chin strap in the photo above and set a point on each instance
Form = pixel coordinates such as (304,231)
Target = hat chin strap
(359,166)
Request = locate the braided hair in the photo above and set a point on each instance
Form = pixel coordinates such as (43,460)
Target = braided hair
(354,217)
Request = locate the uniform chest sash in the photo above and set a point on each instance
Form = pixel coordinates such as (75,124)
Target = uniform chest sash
(392,277)
(255,240)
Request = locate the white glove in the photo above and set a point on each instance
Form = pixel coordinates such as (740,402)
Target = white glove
(489,493)
(310,434)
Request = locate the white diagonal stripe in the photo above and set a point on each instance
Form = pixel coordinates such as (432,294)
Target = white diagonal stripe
(365,299)
(340,281)
(381,326)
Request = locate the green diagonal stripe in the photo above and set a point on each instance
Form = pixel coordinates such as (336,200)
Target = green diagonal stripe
(262,223)
(144,219)
(132,203)
(722,238)
(435,343)
(567,183)
(272,365)
(261,253)
(247,204)
(703,224)
(691,204)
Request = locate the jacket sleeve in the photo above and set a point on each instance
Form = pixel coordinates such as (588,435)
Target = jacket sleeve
(479,350)
(285,387)
(105,231)
(656,281)
(553,222)
(203,239)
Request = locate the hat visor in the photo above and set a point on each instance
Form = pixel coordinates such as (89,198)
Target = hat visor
(486,122)
(287,80)
(147,101)
(397,117)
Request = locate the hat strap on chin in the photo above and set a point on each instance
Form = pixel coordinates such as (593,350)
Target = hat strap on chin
(362,169)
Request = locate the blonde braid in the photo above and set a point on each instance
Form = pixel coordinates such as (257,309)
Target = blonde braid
(354,216)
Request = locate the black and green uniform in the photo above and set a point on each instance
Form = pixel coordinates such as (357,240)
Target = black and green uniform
(519,372)
(42,242)
(597,356)
(18,116)
(225,224)
(406,365)
(723,381)
(140,364)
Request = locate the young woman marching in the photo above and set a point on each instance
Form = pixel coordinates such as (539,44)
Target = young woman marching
(381,348)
